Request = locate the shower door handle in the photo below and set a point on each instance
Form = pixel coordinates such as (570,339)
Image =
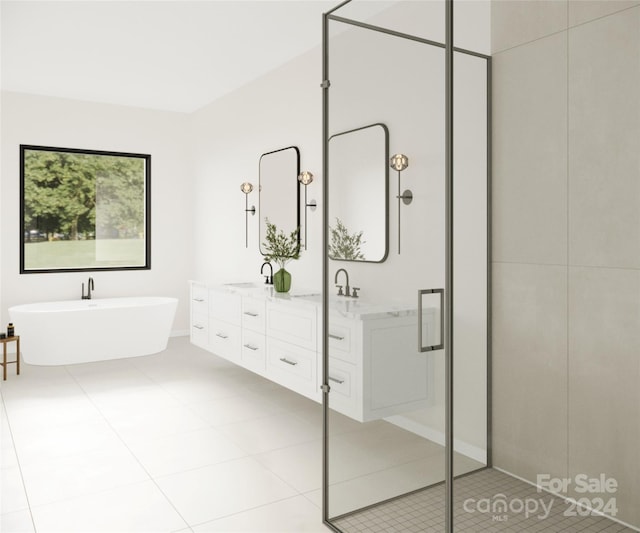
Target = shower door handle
(421,346)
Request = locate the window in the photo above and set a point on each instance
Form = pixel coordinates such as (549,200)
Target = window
(83,210)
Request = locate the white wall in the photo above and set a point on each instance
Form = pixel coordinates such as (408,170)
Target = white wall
(396,82)
(278,110)
(28,119)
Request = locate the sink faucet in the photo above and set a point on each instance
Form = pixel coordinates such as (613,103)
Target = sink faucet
(90,287)
(347,291)
(267,279)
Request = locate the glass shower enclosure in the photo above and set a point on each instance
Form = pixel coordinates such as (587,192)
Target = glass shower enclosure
(406,311)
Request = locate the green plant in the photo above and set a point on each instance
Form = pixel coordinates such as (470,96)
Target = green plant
(279,247)
(344,245)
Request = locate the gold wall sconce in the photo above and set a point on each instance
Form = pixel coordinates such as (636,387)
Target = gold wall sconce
(246,188)
(306,178)
(400,162)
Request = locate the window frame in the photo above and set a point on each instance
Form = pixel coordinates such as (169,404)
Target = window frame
(147,209)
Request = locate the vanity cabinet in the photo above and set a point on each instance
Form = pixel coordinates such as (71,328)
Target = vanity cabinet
(273,339)
(292,352)
(199,315)
(375,368)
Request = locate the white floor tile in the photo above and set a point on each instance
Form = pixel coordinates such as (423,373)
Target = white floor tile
(315,497)
(236,408)
(185,451)
(63,441)
(219,490)
(16,522)
(13,497)
(293,515)
(271,432)
(136,396)
(139,507)
(300,466)
(77,475)
(8,457)
(33,414)
(146,422)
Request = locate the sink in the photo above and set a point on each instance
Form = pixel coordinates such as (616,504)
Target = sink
(249,286)
(311,297)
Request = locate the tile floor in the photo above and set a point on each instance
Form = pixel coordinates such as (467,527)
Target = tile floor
(179,441)
(184,441)
(422,511)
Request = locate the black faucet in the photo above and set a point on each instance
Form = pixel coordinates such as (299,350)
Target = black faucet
(90,287)
(267,279)
(348,289)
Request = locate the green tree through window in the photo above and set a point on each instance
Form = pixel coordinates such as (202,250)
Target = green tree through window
(83,210)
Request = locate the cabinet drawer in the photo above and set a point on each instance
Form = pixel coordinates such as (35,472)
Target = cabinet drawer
(293,324)
(224,339)
(253,314)
(292,366)
(199,299)
(253,351)
(344,396)
(342,339)
(199,330)
(340,381)
(225,306)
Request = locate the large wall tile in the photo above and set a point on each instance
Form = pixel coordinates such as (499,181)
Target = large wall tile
(581,11)
(530,153)
(604,379)
(604,132)
(514,22)
(530,369)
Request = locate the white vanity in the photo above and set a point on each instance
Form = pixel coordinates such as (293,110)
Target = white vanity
(375,369)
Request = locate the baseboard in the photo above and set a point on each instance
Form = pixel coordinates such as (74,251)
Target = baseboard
(464,448)
(179,333)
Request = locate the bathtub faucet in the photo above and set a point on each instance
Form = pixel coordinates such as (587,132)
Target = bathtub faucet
(89,289)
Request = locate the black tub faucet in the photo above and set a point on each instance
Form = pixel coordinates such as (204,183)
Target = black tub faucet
(90,287)
(267,279)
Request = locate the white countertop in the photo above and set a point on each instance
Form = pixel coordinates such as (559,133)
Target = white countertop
(347,307)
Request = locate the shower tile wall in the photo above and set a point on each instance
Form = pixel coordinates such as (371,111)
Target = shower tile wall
(566,237)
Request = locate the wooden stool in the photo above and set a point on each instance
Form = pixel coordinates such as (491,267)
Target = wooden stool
(4,363)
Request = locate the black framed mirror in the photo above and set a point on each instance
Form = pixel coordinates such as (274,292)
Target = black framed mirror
(359,194)
(279,191)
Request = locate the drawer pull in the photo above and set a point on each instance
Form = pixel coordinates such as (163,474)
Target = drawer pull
(222,335)
(285,360)
(249,313)
(198,327)
(254,348)
(198,299)
(337,337)
(336,380)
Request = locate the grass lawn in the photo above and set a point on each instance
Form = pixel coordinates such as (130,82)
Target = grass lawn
(84,254)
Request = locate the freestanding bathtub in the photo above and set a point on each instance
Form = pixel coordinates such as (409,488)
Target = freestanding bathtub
(82,331)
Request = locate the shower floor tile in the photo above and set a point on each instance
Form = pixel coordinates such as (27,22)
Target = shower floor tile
(422,511)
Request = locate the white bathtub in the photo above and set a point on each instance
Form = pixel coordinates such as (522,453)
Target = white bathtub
(81,331)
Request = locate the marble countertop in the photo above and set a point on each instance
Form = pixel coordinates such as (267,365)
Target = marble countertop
(353,308)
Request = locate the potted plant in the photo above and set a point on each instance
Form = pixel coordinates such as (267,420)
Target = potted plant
(281,249)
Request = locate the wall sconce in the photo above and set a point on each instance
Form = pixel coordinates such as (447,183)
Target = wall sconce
(400,162)
(306,178)
(246,188)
